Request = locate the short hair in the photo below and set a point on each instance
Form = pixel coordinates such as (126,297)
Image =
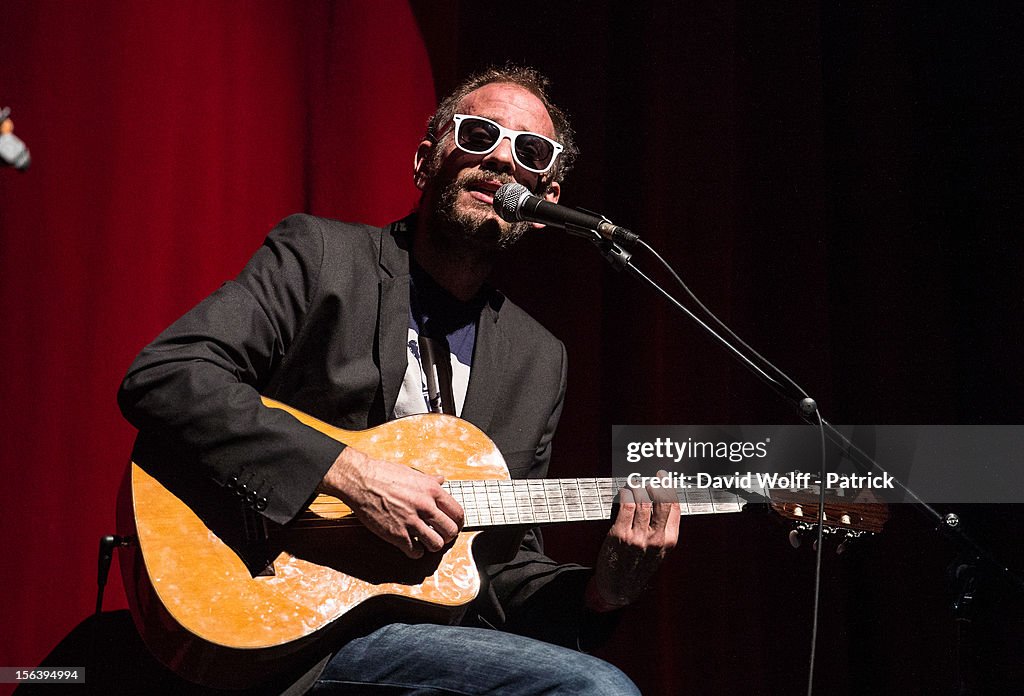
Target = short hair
(521,76)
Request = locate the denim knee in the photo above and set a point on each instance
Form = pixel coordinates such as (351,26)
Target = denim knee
(591,676)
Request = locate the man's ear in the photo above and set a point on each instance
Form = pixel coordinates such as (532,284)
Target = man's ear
(421,163)
(553,192)
(551,195)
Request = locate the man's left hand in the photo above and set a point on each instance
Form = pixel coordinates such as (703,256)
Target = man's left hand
(645,530)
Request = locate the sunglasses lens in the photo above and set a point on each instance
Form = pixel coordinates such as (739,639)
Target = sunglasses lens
(534,152)
(476,135)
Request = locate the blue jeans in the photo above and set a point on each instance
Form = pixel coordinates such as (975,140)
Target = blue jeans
(453,660)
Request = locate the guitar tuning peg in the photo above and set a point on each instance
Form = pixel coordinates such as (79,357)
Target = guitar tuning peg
(841,548)
(794,538)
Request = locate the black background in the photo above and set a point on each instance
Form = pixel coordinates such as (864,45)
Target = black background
(841,183)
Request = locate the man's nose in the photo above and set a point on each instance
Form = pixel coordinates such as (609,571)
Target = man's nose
(500,158)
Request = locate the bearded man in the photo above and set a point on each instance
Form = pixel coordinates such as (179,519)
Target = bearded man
(354,324)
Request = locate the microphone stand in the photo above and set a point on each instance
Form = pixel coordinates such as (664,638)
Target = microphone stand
(949,525)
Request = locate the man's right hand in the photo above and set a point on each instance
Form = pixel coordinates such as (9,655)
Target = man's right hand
(402,506)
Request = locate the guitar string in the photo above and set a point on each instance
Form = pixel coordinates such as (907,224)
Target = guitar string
(557,497)
(538,508)
(595,510)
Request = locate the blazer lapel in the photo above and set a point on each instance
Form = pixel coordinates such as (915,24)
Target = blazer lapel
(393,334)
(487,375)
(393,311)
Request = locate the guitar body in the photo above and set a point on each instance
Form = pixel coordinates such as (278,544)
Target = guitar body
(209,617)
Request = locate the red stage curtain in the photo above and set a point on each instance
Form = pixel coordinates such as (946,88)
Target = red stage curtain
(167,139)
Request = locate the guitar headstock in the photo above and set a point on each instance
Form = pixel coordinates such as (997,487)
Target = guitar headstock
(848,514)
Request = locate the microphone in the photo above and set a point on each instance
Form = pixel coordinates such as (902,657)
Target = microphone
(515,203)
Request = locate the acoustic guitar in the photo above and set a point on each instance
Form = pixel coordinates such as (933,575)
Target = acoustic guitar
(228,608)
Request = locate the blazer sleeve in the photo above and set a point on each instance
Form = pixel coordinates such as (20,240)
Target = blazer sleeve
(197,386)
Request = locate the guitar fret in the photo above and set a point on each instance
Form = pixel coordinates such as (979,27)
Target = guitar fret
(698,501)
(724,501)
(608,488)
(572,499)
(480,491)
(556,503)
(508,502)
(593,498)
(538,501)
(494,510)
(522,498)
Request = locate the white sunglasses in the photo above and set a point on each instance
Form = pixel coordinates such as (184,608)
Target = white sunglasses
(531,151)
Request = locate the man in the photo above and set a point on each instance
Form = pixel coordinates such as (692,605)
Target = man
(330,318)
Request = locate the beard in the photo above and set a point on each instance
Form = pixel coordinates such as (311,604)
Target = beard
(472,227)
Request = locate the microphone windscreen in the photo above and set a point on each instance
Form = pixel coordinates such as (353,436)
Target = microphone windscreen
(508,200)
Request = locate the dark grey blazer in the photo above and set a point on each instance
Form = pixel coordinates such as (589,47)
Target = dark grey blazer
(318,319)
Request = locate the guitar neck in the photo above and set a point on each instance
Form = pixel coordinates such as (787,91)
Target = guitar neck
(490,503)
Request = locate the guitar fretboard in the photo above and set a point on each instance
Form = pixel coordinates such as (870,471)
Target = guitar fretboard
(536,501)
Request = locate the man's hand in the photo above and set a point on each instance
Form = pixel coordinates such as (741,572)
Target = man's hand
(645,529)
(402,506)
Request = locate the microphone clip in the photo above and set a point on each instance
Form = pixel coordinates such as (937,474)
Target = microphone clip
(609,230)
(616,255)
